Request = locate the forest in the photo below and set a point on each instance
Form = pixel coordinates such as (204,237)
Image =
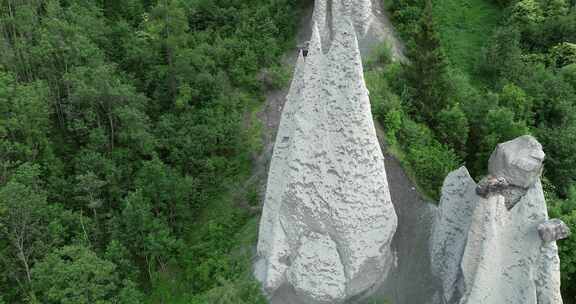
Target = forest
(120,123)
(126,130)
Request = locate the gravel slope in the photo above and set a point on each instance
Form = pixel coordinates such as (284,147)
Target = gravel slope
(412,281)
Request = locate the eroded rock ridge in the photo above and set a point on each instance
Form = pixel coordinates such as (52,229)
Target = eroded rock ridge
(493,242)
(327,221)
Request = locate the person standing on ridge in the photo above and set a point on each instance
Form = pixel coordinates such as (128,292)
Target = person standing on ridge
(304,49)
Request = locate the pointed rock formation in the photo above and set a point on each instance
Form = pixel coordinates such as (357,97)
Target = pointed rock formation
(495,244)
(327,221)
(450,232)
(359,12)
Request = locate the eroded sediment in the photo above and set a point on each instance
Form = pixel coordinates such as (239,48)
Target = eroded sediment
(496,244)
(328,221)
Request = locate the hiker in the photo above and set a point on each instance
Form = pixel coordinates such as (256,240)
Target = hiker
(304,49)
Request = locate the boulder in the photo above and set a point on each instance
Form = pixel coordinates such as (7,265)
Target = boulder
(553,230)
(519,161)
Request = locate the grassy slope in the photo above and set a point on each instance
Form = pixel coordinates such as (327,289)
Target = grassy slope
(464,27)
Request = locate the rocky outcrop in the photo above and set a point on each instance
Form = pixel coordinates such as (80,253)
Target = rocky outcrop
(496,244)
(450,232)
(553,230)
(327,221)
(359,12)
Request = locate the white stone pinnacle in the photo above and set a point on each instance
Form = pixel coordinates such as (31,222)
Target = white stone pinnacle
(328,220)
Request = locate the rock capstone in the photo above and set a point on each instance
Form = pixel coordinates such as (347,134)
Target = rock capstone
(519,161)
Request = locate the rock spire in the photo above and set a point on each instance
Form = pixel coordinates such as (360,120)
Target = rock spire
(493,242)
(328,221)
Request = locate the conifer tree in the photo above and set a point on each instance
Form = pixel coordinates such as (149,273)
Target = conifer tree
(427,72)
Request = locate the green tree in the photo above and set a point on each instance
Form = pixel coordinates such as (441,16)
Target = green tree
(146,236)
(515,99)
(502,58)
(499,126)
(555,8)
(24,224)
(30,227)
(406,14)
(527,12)
(551,96)
(167,28)
(560,155)
(76,275)
(564,54)
(24,124)
(105,111)
(568,73)
(427,72)
(453,128)
(171,196)
(121,257)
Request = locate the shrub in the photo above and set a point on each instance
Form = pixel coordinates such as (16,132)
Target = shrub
(564,54)
(381,55)
(527,12)
(453,128)
(414,134)
(393,122)
(276,77)
(515,99)
(431,163)
(568,73)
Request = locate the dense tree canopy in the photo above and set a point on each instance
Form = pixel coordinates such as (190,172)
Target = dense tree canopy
(120,122)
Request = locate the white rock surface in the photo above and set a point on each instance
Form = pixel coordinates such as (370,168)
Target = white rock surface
(504,258)
(553,230)
(519,161)
(503,253)
(317,263)
(450,233)
(328,221)
(359,12)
